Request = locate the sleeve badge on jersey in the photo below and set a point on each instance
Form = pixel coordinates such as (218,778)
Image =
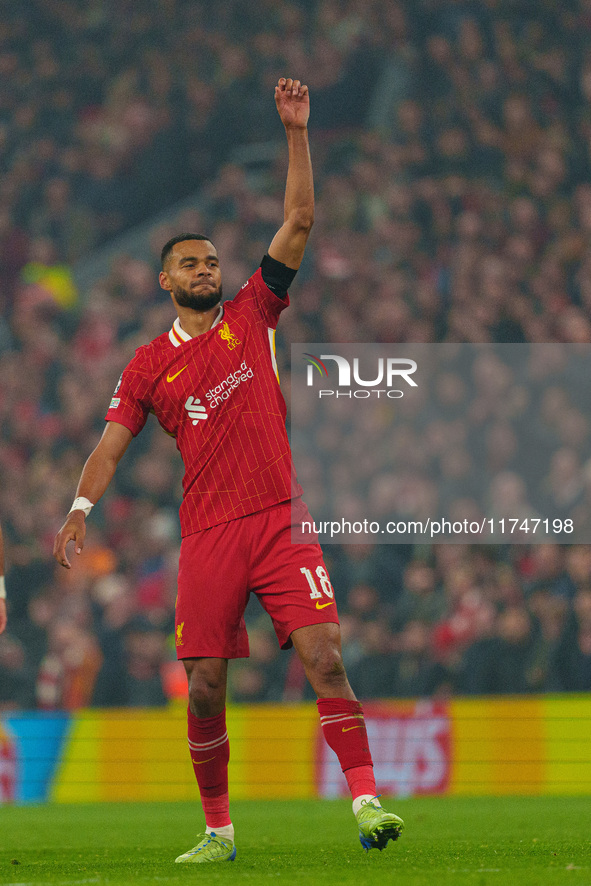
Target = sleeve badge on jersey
(115,402)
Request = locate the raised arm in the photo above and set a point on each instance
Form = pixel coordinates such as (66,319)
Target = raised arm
(2,588)
(96,476)
(293,106)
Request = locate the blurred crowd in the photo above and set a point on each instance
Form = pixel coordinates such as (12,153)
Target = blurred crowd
(452,156)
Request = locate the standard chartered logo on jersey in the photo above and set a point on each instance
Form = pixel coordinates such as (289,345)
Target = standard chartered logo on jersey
(219,393)
(196,411)
(224,389)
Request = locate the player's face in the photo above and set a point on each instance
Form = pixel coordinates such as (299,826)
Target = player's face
(193,275)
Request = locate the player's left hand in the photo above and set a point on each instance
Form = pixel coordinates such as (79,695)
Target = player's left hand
(74,529)
(293,103)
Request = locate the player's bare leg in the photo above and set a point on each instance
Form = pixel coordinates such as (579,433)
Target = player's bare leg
(319,649)
(210,752)
(343,724)
(207,679)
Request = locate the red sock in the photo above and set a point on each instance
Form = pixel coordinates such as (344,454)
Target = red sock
(210,752)
(361,780)
(343,726)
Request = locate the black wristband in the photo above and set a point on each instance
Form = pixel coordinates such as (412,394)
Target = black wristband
(277,276)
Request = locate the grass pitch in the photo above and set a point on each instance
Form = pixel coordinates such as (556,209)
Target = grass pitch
(518,841)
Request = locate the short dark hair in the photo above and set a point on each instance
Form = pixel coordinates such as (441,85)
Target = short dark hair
(180,238)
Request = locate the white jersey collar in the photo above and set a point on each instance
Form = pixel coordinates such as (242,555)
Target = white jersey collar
(177,334)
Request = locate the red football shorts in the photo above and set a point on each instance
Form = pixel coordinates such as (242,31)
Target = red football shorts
(220,567)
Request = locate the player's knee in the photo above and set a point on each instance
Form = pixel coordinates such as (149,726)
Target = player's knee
(205,699)
(207,690)
(325,664)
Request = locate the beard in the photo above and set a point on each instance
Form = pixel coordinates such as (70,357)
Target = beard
(185,298)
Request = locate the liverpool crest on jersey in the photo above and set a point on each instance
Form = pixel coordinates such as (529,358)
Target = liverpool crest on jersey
(228,336)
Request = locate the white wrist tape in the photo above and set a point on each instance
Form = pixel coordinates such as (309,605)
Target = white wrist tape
(82,504)
(2,588)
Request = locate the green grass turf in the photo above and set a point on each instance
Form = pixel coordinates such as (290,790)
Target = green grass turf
(484,841)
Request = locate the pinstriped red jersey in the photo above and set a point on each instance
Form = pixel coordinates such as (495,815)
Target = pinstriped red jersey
(218,394)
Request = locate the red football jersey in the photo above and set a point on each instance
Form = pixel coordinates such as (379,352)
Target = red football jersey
(218,394)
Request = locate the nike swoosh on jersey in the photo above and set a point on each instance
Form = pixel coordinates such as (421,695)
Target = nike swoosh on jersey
(323,605)
(170,377)
(349,728)
(203,761)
